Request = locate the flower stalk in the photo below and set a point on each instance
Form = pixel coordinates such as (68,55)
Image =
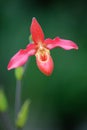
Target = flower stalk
(17,97)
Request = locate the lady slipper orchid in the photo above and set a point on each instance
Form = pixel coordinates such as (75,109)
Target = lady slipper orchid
(40,47)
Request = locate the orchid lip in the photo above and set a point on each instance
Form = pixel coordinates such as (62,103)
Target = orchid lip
(44,61)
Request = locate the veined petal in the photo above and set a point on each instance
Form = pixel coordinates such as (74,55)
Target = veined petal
(21,57)
(45,64)
(36,31)
(57,42)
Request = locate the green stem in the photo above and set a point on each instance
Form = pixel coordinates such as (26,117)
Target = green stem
(17,97)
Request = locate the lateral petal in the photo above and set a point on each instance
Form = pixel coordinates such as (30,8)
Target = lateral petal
(36,31)
(58,42)
(21,57)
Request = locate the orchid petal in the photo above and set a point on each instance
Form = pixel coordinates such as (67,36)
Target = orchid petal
(21,57)
(57,42)
(36,31)
(46,64)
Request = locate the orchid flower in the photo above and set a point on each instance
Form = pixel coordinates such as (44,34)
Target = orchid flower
(40,47)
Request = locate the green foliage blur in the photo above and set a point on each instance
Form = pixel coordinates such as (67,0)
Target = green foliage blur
(58,101)
(23,115)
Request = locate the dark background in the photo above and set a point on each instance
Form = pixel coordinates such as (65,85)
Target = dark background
(59,101)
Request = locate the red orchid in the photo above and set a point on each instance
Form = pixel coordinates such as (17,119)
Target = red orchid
(40,47)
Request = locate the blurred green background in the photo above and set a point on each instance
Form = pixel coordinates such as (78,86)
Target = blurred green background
(58,101)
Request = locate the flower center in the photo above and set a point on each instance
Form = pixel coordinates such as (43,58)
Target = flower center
(42,53)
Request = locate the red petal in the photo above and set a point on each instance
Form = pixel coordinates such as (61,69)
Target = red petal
(45,66)
(57,42)
(36,31)
(21,57)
